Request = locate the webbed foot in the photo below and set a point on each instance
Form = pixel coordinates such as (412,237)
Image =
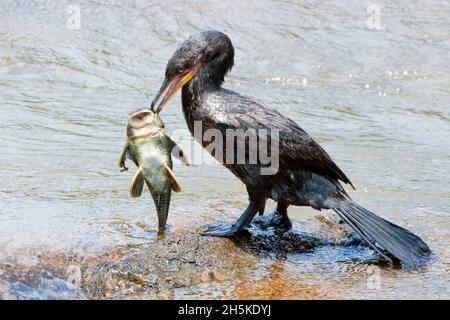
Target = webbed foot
(227,230)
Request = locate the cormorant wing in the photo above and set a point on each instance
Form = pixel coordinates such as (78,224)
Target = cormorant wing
(297,150)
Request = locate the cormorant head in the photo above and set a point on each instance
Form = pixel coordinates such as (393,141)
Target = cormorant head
(207,56)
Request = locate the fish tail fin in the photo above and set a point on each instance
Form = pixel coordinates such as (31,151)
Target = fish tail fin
(162,204)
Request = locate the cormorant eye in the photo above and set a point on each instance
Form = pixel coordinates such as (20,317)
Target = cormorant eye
(180,69)
(216,55)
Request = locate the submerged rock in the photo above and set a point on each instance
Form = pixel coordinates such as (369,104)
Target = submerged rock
(37,277)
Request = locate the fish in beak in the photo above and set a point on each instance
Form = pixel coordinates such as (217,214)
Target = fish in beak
(170,88)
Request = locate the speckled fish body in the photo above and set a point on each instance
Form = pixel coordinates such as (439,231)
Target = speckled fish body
(150,148)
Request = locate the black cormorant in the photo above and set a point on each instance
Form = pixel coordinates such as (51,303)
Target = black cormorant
(307,176)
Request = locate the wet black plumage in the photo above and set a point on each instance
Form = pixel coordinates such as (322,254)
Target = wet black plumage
(307,175)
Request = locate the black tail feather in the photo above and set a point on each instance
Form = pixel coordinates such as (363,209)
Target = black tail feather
(399,242)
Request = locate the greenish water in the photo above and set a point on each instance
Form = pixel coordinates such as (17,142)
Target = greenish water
(377,100)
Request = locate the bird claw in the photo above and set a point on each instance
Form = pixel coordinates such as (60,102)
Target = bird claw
(221,230)
(280,221)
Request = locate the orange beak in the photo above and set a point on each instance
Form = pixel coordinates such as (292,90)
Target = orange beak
(171,88)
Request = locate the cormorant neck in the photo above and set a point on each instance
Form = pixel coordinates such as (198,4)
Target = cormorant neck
(194,92)
(208,78)
(203,81)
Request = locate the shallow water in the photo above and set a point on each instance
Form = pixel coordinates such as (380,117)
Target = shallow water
(377,100)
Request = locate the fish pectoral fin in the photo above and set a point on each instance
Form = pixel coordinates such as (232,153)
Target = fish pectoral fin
(176,186)
(178,153)
(123,158)
(137,184)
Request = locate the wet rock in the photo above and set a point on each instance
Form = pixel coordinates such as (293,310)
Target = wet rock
(181,260)
(177,261)
(264,240)
(38,275)
(274,243)
(186,259)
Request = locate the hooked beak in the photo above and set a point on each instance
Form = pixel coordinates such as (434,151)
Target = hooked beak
(170,88)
